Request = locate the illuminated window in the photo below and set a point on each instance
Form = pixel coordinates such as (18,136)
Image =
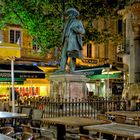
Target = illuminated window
(89,50)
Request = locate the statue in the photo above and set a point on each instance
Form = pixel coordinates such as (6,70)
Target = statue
(71,40)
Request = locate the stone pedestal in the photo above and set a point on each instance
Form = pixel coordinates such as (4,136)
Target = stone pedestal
(68,85)
(132,94)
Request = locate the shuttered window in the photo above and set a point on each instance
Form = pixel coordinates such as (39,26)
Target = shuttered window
(15,36)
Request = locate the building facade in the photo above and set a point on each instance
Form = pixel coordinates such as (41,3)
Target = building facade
(29,77)
(108,82)
(96,56)
(131,20)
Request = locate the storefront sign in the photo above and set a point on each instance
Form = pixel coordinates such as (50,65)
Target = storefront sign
(22,75)
(5,74)
(90,61)
(21,71)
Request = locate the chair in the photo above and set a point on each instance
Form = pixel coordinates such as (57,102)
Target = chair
(130,121)
(1,106)
(23,136)
(120,119)
(6,106)
(72,130)
(16,109)
(28,128)
(36,116)
(72,133)
(101,117)
(72,136)
(7,130)
(137,122)
(86,137)
(26,111)
(26,136)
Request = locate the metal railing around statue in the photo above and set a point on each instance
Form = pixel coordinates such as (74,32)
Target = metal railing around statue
(57,107)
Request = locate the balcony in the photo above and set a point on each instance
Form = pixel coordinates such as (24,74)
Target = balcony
(29,57)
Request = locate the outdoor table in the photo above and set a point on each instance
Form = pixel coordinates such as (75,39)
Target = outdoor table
(127,114)
(10,115)
(62,122)
(116,129)
(6,115)
(4,137)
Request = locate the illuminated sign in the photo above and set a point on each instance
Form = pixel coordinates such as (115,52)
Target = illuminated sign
(22,75)
(90,61)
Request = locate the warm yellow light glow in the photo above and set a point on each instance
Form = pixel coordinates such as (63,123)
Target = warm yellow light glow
(9,50)
(42,84)
(35,81)
(111,72)
(44,90)
(81,63)
(48,69)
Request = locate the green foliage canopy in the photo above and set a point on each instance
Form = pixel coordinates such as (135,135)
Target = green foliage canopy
(44,19)
(39,17)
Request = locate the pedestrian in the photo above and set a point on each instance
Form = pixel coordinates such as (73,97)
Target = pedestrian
(16,95)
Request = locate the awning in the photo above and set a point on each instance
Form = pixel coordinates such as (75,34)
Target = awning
(106,76)
(9,79)
(16,80)
(21,71)
(9,50)
(90,70)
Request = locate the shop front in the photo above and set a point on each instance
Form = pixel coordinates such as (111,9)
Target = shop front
(107,85)
(24,77)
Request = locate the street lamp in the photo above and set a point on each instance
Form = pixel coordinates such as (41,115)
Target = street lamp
(12,79)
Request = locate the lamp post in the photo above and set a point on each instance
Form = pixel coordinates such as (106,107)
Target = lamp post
(12,79)
(10,51)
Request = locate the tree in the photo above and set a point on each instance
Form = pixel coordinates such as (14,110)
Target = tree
(39,17)
(44,19)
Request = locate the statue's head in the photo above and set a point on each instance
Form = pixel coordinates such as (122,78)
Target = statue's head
(72,12)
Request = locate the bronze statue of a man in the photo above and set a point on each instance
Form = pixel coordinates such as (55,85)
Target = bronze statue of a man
(72,40)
